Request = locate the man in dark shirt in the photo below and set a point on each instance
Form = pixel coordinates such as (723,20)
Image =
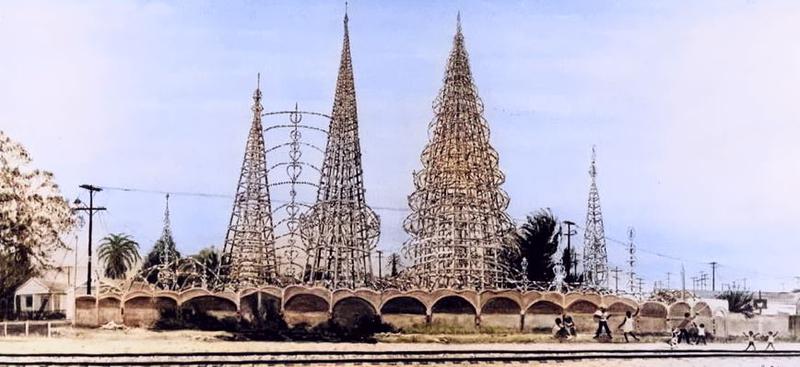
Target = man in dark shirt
(683,326)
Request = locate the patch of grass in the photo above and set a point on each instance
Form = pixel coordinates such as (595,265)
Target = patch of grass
(439,328)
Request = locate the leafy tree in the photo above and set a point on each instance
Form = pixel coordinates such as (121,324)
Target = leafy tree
(210,258)
(33,217)
(738,301)
(166,245)
(119,253)
(537,239)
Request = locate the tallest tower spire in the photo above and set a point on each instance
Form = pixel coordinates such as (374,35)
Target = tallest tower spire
(340,229)
(458,223)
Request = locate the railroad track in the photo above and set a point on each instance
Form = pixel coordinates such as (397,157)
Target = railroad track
(313,358)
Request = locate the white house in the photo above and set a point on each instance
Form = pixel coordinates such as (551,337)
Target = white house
(41,295)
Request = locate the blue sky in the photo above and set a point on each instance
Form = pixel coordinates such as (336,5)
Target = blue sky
(692,106)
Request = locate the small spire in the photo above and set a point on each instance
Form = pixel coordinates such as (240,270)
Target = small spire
(346,19)
(458,22)
(296,108)
(167,229)
(257,92)
(593,168)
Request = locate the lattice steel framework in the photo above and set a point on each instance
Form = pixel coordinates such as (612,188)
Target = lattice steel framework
(340,229)
(249,251)
(594,239)
(458,223)
(171,272)
(293,175)
(167,274)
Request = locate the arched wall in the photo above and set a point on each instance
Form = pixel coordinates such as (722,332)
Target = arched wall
(254,302)
(501,312)
(109,309)
(454,310)
(306,308)
(403,311)
(540,316)
(347,311)
(652,318)
(86,311)
(146,311)
(508,309)
(582,312)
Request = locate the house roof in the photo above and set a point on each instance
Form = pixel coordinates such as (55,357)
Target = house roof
(37,285)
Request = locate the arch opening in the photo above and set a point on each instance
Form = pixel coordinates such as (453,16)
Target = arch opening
(352,311)
(306,303)
(453,305)
(403,305)
(582,306)
(501,305)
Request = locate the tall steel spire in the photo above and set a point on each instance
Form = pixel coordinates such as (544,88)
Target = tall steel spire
(167,254)
(249,252)
(340,229)
(458,223)
(594,239)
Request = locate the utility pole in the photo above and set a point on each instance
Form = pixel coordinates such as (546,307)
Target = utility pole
(702,280)
(569,235)
(380,264)
(616,272)
(91,209)
(668,284)
(713,276)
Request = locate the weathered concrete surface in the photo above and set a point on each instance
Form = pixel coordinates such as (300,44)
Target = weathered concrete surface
(508,309)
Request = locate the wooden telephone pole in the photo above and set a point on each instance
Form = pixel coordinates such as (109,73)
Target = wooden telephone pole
(91,209)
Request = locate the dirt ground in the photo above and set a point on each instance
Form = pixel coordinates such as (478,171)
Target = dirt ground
(145,341)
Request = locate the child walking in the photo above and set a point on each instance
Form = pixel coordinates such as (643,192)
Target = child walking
(751,340)
(628,325)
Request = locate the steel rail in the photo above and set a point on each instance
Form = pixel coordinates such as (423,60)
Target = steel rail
(366,357)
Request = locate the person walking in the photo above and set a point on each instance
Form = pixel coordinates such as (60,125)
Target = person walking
(628,325)
(601,315)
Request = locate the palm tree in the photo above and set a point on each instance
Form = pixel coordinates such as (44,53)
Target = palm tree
(537,239)
(119,253)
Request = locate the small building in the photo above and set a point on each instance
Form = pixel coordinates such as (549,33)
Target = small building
(38,295)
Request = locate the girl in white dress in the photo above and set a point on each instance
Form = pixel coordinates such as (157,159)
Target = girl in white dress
(628,325)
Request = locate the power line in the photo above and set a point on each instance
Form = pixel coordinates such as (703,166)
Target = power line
(624,244)
(219,196)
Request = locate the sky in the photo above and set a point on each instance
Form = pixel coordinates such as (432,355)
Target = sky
(692,107)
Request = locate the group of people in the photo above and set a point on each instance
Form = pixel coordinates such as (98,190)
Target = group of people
(751,340)
(565,329)
(687,331)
